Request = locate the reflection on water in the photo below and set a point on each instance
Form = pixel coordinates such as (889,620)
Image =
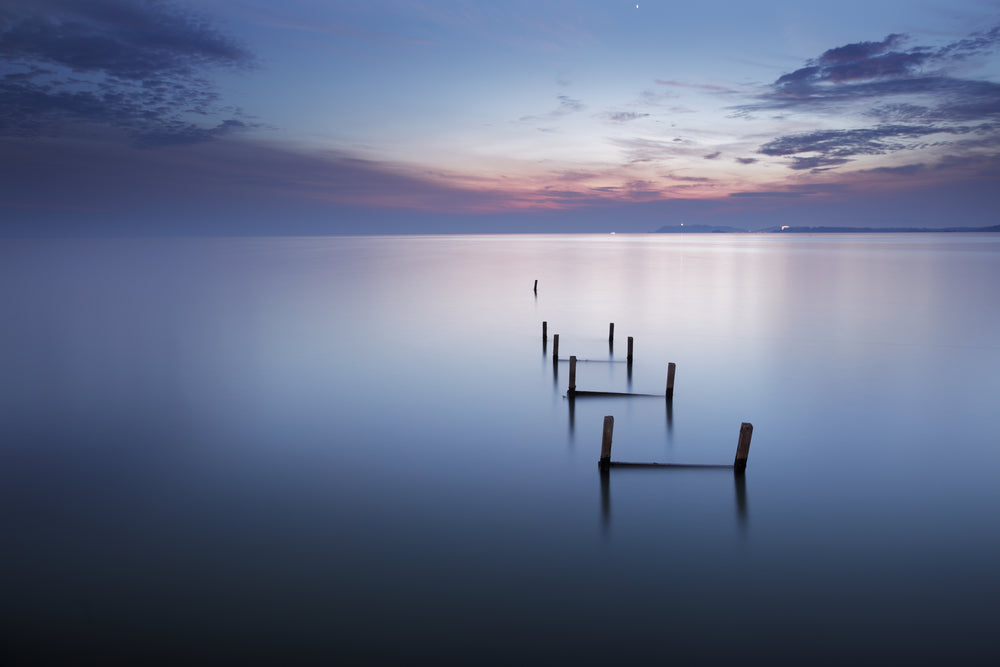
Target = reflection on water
(604,474)
(347,448)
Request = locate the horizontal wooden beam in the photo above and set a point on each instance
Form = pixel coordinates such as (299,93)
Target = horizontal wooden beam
(710,466)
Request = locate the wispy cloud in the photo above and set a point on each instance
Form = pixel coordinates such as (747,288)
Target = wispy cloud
(698,86)
(566,106)
(771,195)
(623,116)
(138,66)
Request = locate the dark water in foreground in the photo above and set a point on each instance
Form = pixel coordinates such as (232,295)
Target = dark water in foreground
(357,448)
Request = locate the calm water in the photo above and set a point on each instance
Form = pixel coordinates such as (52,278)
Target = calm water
(225,449)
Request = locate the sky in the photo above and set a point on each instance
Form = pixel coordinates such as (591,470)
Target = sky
(408,116)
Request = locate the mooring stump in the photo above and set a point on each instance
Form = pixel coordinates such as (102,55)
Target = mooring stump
(609,427)
(555,347)
(536,286)
(572,377)
(671,367)
(611,333)
(743,448)
(628,357)
(545,330)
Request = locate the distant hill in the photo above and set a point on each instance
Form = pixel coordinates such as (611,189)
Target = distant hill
(700,229)
(786,229)
(877,230)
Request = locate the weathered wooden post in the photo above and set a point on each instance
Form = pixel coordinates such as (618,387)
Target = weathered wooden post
(671,367)
(611,333)
(628,357)
(545,330)
(555,347)
(743,448)
(536,285)
(572,377)
(609,427)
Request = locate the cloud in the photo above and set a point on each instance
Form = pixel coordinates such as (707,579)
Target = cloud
(846,143)
(677,84)
(639,149)
(567,105)
(134,65)
(623,116)
(861,60)
(768,195)
(903,170)
(746,160)
(690,179)
(712,156)
(907,92)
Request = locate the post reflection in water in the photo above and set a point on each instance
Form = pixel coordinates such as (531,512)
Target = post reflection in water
(741,499)
(605,474)
(572,415)
(740,494)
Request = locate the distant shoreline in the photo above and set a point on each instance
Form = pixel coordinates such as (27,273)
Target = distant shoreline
(788,229)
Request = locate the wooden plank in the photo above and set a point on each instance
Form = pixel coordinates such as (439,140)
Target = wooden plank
(619,394)
(710,466)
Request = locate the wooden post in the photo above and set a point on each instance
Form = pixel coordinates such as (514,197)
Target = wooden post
(572,377)
(611,333)
(671,367)
(628,357)
(555,347)
(609,427)
(743,448)
(536,285)
(545,330)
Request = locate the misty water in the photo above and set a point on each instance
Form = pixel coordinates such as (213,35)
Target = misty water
(359,448)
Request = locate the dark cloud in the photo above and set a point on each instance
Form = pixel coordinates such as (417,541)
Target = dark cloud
(746,160)
(712,156)
(862,60)
(135,65)
(817,164)
(908,91)
(846,143)
(904,170)
(832,148)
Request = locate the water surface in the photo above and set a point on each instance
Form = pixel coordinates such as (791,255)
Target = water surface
(359,448)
